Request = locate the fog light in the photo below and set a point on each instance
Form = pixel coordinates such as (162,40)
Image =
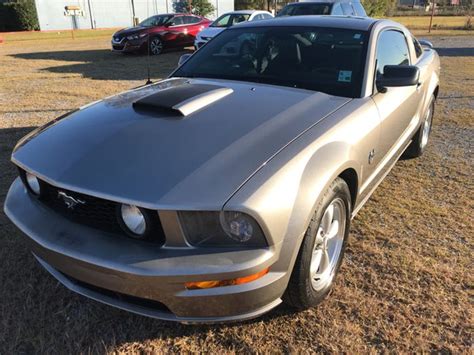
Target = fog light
(33,183)
(238,281)
(133,219)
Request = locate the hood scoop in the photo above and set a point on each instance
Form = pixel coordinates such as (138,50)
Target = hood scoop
(183,99)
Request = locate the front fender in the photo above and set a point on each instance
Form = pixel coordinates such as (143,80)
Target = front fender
(284,194)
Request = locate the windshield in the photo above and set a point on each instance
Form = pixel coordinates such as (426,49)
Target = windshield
(321,59)
(305,9)
(228,20)
(155,21)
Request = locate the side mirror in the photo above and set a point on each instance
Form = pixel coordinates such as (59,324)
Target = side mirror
(426,43)
(398,75)
(168,24)
(183,59)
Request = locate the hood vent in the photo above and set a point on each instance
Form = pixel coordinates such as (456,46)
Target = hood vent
(183,99)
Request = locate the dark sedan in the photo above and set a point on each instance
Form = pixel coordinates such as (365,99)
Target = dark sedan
(157,32)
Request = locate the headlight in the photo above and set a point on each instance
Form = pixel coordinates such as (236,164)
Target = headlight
(238,226)
(32,183)
(141,35)
(221,229)
(134,220)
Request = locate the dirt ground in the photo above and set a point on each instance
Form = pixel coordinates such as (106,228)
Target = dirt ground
(406,283)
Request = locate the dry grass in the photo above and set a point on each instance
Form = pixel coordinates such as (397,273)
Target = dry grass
(406,284)
(422,22)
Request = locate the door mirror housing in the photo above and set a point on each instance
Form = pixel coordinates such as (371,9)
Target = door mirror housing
(183,59)
(398,75)
(425,43)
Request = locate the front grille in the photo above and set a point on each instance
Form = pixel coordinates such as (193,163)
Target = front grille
(91,211)
(117,48)
(94,212)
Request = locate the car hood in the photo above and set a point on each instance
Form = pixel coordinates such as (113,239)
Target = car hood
(165,160)
(131,30)
(211,31)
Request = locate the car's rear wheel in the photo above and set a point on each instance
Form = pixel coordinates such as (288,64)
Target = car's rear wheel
(322,250)
(421,137)
(156,46)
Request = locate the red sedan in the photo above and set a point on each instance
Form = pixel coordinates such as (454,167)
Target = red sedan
(160,31)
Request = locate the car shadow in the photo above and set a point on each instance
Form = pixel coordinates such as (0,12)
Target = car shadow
(107,65)
(455,52)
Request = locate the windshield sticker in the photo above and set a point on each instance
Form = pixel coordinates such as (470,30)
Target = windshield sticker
(345,76)
(357,36)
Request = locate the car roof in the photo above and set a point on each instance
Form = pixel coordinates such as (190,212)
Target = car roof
(243,12)
(346,22)
(176,14)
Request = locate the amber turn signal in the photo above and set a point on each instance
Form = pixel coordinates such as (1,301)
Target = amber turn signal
(196,285)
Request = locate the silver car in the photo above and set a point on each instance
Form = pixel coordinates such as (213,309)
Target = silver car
(217,193)
(228,20)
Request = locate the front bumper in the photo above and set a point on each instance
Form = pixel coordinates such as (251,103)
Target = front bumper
(126,45)
(144,278)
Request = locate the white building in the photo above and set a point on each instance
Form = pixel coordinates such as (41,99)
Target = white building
(56,14)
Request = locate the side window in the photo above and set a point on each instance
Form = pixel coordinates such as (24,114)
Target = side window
(267,16)
(176,21)
(418,49)
(337,9)
(392,49)
(359,9)
(347,9)
(257,17)
(191,19)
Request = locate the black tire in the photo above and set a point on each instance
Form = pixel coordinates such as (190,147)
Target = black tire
(300,292)
(156,46)
(418,145)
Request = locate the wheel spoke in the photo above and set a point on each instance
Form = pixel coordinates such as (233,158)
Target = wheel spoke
(334,229)
(323,265)
(327,219)
(315,261)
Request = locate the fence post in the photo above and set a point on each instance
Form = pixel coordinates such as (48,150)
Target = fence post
(432,14)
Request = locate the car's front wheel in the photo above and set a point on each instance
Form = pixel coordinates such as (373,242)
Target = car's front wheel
(322,249)
(156,46)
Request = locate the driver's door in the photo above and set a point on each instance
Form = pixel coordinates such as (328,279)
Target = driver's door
(398,105)
(177,32)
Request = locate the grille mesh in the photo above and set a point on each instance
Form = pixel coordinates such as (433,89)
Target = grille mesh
(94,212)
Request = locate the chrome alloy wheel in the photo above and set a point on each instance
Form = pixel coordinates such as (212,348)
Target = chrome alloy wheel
(156,46)
(426,127)
(328,244)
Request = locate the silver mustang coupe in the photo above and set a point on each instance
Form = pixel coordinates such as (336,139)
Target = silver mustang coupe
(217,193)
